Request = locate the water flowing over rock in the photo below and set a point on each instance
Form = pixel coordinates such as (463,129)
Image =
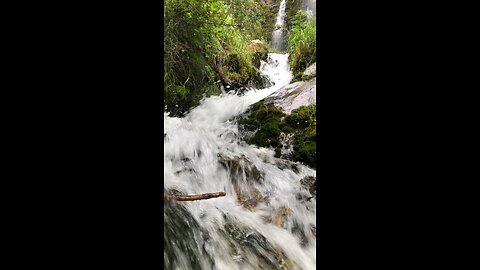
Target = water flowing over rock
(297,94)
(261,223)
(310,183)
(242,172)
(280,216)
(294,95)
(265,220)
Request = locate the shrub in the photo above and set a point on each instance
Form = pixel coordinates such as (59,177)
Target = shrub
(302,42)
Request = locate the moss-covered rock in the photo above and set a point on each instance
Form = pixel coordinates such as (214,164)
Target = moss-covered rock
(238,71)
(302,123)
(268,122)
(265,119)
(259,51)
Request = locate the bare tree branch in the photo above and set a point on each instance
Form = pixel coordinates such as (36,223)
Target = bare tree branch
(171,197)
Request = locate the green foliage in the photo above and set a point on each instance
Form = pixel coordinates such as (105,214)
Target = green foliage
(302,42)
(239,63)
(200,36)
(291,8)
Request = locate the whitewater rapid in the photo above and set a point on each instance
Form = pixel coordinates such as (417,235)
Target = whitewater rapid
(193,145)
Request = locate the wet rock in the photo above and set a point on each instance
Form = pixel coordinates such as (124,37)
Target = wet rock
(284,164)
(181,231)
(300,234)
(295,95)
(185,170)
(237,165)
(249,198)
(243,174)
(310,183)
(260,51)
(311,70)
(187,166)
(249,246)
(281,163)
(280,216)
(236,232)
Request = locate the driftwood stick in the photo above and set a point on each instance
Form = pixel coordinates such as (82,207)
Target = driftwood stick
(171,197)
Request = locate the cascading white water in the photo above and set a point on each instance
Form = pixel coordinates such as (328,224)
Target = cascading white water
(278,35)
(199,234)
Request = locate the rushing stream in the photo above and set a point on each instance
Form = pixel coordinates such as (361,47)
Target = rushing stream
(204,153)
(265,221)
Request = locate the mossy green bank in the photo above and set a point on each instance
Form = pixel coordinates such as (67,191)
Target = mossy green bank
(267,122)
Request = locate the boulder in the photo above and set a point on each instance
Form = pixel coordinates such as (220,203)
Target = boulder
(280,216)
(310,183)
(311,70)
(259,50)
(243,174)
(295,95)
(249,245)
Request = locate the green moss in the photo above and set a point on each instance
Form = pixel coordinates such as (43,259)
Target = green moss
(300,118)
(268,133)
(266,119)
(306,152)
(302,123)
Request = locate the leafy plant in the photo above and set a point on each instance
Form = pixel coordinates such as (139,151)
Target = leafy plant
(200,37)
(302,42)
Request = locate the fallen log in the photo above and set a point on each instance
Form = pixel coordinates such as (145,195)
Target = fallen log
(171,197)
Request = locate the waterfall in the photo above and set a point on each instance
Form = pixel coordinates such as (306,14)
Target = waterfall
(204,153)
(278,35)
(265,221)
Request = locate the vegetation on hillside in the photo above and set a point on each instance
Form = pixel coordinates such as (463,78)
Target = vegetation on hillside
(302,43)
(211,43)
(207,43)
